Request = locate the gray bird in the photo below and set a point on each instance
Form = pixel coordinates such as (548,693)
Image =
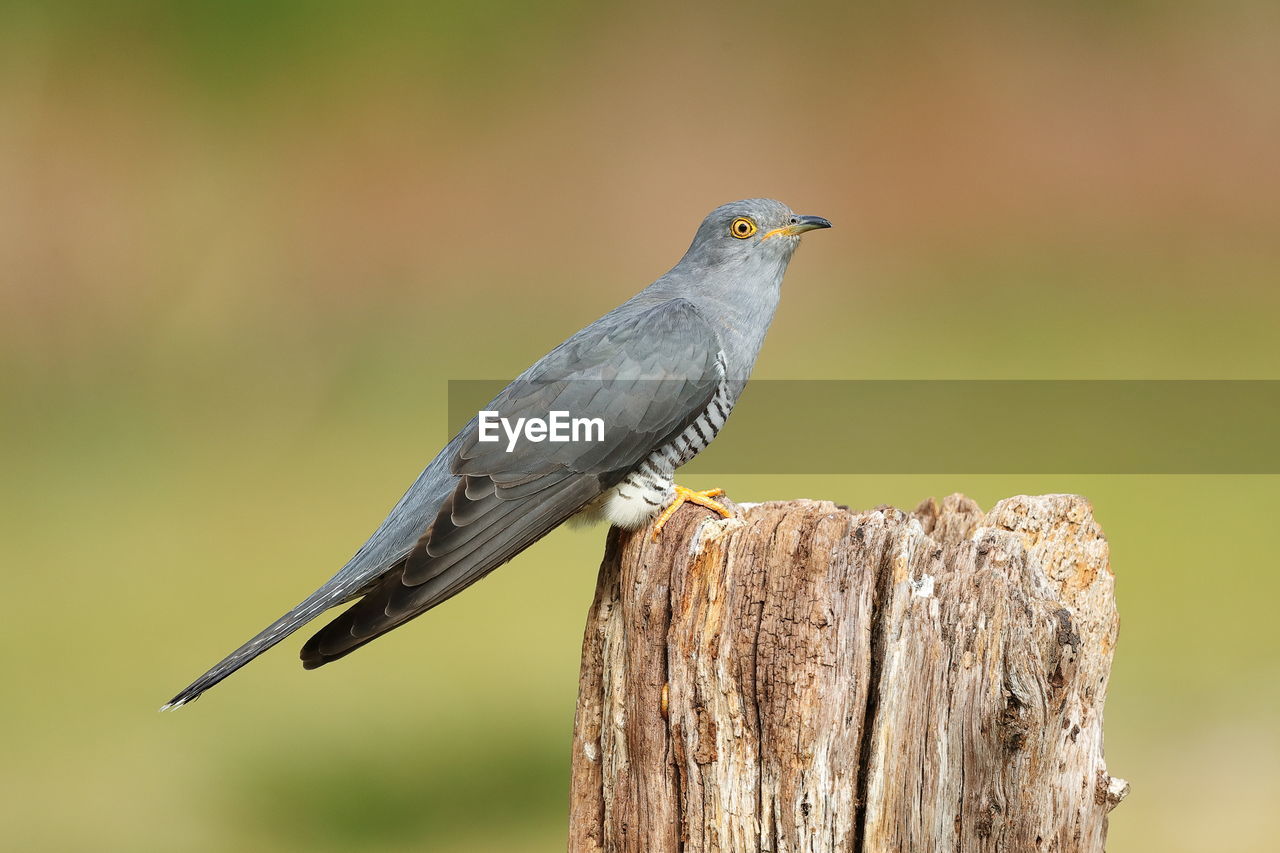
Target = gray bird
(662,372)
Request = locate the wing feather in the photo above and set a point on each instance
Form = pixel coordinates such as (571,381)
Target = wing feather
(648,378)
(648,369)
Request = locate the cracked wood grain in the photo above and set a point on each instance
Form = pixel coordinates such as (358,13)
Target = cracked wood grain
(806,678)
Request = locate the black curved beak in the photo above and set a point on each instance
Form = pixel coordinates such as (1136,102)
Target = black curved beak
(799,225)
(808,223)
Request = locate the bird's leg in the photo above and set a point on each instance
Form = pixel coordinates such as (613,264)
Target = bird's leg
(684,495)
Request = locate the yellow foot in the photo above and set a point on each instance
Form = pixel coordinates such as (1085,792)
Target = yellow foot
(684,495)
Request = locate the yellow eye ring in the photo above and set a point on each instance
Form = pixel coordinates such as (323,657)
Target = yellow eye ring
(742,228)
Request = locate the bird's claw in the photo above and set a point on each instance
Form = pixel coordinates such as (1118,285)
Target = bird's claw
(683,496)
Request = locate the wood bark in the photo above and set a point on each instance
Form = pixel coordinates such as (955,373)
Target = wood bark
(807,678)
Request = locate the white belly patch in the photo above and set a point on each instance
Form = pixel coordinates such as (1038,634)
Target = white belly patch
(628,505)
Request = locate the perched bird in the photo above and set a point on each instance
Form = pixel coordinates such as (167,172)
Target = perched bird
(662,372)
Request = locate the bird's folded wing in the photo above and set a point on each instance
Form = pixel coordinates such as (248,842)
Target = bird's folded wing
(647,373)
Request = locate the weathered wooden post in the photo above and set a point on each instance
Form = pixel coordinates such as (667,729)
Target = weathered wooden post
(806,678)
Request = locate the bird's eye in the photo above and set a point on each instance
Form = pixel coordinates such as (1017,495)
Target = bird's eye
(742,228)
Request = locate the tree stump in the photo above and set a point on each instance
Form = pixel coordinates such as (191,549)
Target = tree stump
(806,678)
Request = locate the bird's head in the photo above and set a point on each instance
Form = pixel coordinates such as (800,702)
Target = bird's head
(751,231)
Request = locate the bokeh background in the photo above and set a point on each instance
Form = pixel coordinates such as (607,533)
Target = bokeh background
(244,245)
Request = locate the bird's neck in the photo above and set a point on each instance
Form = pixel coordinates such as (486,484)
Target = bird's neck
(740,305)
(737,300)
(743,325)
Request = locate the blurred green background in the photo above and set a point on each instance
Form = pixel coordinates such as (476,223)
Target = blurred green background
(244,245)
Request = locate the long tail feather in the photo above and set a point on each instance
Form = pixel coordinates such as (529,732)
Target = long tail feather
(319,601)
